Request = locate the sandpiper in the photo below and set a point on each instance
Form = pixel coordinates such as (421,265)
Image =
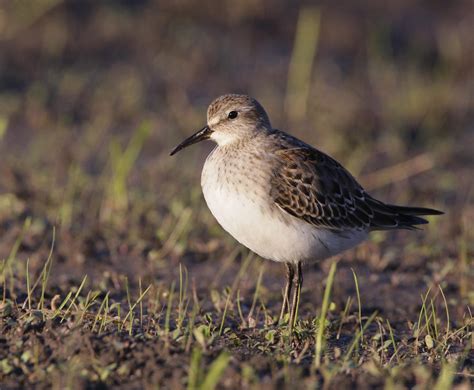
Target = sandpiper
(283,199)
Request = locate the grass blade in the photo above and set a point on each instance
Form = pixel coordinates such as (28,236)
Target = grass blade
(322,317)
(356,282)
(216,370)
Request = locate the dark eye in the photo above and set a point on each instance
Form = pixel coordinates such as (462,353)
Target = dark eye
(232,115)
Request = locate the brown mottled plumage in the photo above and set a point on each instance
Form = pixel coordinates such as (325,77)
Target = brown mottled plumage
(310,185)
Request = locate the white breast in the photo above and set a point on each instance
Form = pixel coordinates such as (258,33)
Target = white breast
(246,211)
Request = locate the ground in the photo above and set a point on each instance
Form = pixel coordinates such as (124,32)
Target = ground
(113,271)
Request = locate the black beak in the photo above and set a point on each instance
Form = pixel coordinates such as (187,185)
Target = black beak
(201,135)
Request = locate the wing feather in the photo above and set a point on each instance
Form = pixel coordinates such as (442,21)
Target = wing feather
(314,187)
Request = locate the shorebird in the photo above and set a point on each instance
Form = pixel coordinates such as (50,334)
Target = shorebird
(283,199)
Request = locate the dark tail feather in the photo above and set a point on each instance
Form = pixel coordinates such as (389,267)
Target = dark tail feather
(389,216)
(415,210)
(408,216)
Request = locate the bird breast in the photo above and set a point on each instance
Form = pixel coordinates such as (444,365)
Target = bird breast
(236,188)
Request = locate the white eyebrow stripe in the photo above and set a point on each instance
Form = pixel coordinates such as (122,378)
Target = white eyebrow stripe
(244,109)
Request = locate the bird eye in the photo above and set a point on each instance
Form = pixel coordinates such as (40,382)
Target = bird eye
(232,115)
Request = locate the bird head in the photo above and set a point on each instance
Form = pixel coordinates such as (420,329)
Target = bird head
(230,118)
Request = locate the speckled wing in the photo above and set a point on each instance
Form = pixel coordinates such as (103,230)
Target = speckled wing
(314,187)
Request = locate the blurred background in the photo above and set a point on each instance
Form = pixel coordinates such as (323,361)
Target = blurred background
(94,94)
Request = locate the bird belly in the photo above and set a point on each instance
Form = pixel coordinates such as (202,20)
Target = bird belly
(256,222)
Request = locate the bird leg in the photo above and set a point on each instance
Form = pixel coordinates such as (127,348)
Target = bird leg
(290,272)
(298,281)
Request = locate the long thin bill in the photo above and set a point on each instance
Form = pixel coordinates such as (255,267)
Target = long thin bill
(199,136)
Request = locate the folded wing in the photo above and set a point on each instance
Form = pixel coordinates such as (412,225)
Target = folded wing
(314,187)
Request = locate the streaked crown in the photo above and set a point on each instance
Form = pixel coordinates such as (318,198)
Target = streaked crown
(233,117)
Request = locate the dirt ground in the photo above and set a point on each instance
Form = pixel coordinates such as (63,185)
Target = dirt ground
(113,271)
